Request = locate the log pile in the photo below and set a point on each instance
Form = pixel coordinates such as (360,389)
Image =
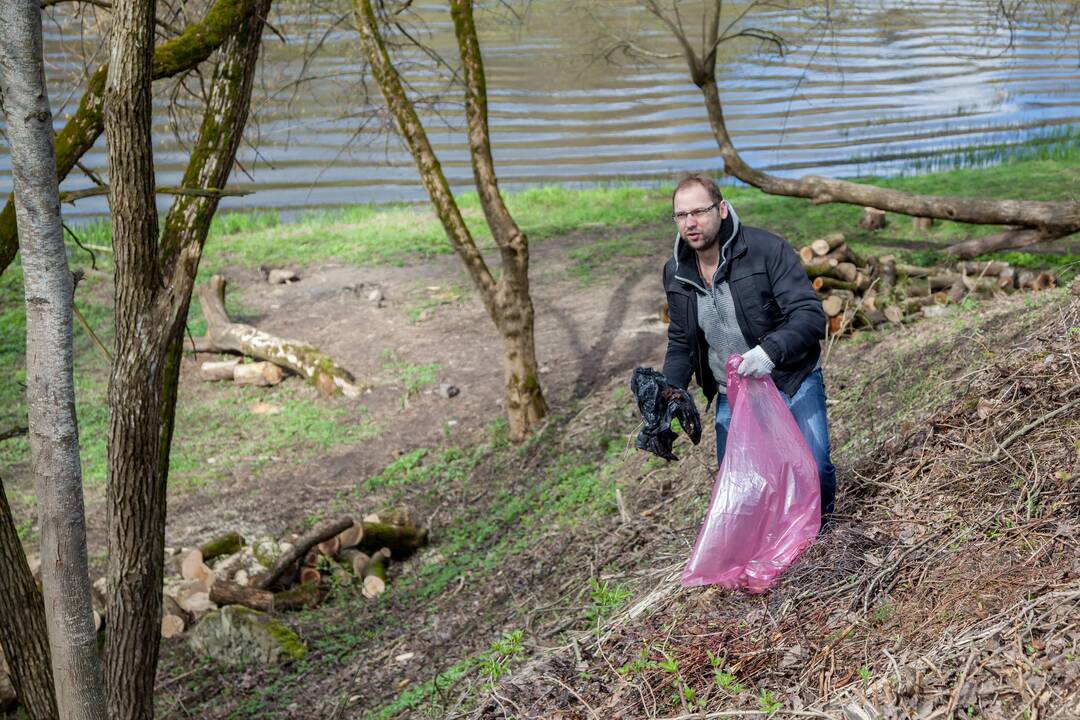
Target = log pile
(272,576)
(864,292)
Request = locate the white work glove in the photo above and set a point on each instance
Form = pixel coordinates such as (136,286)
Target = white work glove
(755,363)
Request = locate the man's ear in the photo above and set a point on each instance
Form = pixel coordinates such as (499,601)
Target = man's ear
(723,209)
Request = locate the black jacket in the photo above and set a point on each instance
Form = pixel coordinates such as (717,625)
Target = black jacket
(775,307)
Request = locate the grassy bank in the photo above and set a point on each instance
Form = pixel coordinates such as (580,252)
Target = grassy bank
(603,225)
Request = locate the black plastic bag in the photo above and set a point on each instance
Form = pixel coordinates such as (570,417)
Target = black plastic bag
(659,404)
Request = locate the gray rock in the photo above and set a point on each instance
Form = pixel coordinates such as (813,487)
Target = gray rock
(236,636)
(447,391)
(282,276)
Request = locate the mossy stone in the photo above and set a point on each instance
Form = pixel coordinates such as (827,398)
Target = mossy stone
(237,636)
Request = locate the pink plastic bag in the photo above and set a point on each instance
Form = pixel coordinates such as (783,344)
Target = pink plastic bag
(766,503)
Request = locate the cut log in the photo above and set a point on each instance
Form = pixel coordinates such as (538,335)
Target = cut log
(957,292)
(226,544)
(300,549)
(867,318)
(824,282)
(193,568)
(837,324)
(350,537)
(377,564)
(816,269)
(311,559)
(226,593)
(356,559)
(299,596)
(171,626)
(402,541)
(922,223)
(300,357)
(886,273)
(1006,279)
(373,586)
(943,281)
(1044,281)
(894,314)
(330,547)
(806,255)
(260,374)
(827,244)
(913,304)
(917,271)
(222,370)
(399,516)
(833,305)
(846,271)
(310,575)
(869,300)
(990,267)
(872,219)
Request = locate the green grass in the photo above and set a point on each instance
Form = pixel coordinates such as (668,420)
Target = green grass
(214,440)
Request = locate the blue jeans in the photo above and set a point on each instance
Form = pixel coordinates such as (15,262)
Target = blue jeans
(808,407)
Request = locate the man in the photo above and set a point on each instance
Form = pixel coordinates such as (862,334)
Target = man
(737,289)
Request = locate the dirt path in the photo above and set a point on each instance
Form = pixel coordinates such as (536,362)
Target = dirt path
(587,331)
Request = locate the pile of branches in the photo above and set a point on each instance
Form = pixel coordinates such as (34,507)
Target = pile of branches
(278,576)
(864,292)
(950,588)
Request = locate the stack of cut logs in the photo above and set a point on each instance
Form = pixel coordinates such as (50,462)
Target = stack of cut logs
(858,292)
(226,572)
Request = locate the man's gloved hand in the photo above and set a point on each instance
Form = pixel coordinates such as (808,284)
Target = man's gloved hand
(756,363)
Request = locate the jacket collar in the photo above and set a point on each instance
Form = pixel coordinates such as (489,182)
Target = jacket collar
(685,257)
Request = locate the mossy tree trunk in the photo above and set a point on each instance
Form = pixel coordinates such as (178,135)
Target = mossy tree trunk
(506,298)
(50,403)
(1032,221)
(175,56)
(154,281)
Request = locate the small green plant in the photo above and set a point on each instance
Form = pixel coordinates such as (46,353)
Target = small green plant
(496,662)
(767,701)
(606,599)
(725,680)
(865,674)
(415,378)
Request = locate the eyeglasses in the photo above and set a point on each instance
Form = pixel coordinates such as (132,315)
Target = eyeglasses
(696,212)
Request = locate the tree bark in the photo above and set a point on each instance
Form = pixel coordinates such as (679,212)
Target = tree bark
(135,495)
(1038,221)
(507,299)
(50,387)
(296,355)
(24,635)
(153,289)
(524,398)
(82,130)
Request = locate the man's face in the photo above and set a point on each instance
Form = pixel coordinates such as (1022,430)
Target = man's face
(700,231)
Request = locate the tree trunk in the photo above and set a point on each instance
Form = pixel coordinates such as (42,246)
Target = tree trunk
(1039,221)
(24,636)
(148,319)
(507,300)
(135,494)
(82,130)
(524,398)
(50,387)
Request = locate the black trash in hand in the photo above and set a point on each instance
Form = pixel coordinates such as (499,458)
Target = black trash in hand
(659,404)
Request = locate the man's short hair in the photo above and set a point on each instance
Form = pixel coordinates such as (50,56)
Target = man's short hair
(698,179)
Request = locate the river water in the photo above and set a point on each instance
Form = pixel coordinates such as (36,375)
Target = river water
(888,88)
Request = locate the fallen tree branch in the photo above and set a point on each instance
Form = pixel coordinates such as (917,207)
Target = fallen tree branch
(1004,444)
(99,190)
(298,356)
(1035,221)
